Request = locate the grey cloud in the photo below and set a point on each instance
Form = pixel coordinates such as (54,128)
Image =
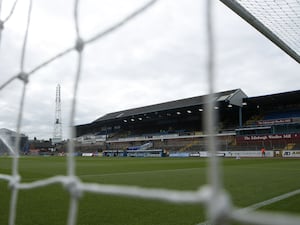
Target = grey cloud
(161,56)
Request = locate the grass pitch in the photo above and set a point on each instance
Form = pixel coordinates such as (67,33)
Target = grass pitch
(248,181)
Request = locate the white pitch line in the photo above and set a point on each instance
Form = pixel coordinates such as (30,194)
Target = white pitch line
(134,173)
(271,201)
(264,203)
(117,174)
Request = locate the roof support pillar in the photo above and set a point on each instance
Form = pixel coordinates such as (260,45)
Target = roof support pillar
(240,116)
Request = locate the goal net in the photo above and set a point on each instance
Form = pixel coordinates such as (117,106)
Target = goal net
(278,20)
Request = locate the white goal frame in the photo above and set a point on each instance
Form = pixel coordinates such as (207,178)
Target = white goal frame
(270,23)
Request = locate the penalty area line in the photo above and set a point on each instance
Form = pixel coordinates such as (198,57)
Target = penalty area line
(271,201)
(263,203)
(135,172)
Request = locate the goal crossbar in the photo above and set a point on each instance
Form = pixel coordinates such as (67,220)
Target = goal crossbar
(264,24)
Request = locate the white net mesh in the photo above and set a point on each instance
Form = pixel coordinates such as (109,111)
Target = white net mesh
(277,20)
(218,203)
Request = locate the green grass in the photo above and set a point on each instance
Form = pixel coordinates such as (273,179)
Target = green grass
(248,181)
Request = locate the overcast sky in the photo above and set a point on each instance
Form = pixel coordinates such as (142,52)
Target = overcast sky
(158,57)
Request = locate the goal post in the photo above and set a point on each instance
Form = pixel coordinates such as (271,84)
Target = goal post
(276,20)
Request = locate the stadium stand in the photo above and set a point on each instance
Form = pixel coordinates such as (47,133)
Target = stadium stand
(245,123)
